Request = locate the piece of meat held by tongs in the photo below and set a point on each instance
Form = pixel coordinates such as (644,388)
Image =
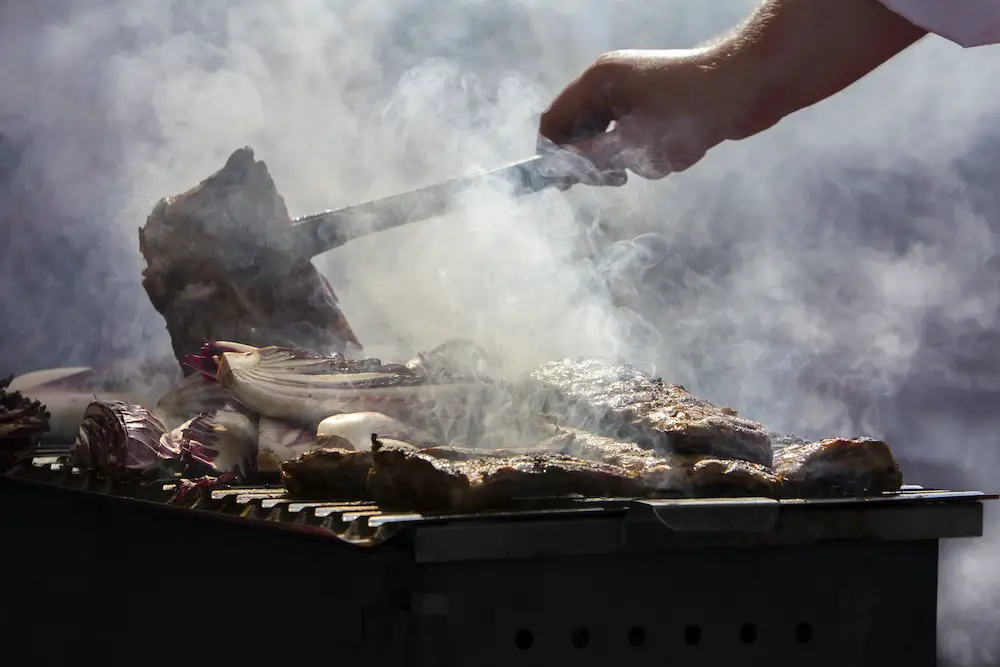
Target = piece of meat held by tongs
(226,262)
(216,268)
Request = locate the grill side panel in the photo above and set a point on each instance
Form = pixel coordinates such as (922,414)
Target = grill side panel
(104,581)
(110,580)
(859,603)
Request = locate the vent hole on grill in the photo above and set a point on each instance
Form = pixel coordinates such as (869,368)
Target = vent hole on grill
(523,639)
(692,635)
(748,633)
(637,636)
(580,637)
(803,633)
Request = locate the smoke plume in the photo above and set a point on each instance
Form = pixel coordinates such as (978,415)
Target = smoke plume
(836,275)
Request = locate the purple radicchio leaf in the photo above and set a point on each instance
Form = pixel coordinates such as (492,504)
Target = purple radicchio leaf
(119,439)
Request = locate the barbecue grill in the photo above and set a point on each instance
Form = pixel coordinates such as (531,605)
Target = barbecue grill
(156,572)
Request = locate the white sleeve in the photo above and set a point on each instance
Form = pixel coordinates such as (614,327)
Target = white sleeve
(966,22)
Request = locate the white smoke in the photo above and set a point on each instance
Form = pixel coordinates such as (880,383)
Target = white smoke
(837,274)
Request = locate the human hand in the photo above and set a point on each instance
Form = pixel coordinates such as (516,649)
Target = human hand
(651,112)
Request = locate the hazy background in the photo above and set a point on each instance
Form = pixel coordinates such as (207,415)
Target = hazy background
(837,275)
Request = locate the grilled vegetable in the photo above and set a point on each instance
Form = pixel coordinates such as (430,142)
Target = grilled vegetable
(120,439)
(66,392)
(194,395)
(207,360)
(442,393)
(219,442)
(357,428)
(278,441)
(303,387)
(22,423)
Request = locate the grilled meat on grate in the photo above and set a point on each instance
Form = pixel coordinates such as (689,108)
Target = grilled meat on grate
(630,405)
(405,477)
(700,476)
(837,467)
(571,462)
(687,475)
(329,472)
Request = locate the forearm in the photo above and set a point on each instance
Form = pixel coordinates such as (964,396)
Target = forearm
(792,54)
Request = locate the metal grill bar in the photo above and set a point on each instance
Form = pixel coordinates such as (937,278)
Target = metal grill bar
(534,527)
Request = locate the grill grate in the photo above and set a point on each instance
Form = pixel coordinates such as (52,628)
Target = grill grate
(531,527)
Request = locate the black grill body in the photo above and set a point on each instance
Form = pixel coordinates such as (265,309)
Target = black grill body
(98,578)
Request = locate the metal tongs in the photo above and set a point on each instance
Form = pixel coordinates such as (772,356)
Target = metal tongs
(315,234)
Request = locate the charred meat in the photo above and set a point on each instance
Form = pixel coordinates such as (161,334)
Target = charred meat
(216,271)
(405,477)
(593,447)
(837,467)
(629,405)
(444,478)
(329,472)
(683,475)
(699,476)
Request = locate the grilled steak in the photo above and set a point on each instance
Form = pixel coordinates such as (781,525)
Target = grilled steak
(215,270)
(593,447)
(699,476)
(466,479)
(629,405)
(407,478)
(837,467)
(328,473)
(450,453)
(686,475)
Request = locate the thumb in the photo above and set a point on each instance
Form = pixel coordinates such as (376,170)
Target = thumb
(578,121)
(581,110)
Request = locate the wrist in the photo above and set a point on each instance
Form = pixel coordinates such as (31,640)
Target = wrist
(792,54)
(741,84)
